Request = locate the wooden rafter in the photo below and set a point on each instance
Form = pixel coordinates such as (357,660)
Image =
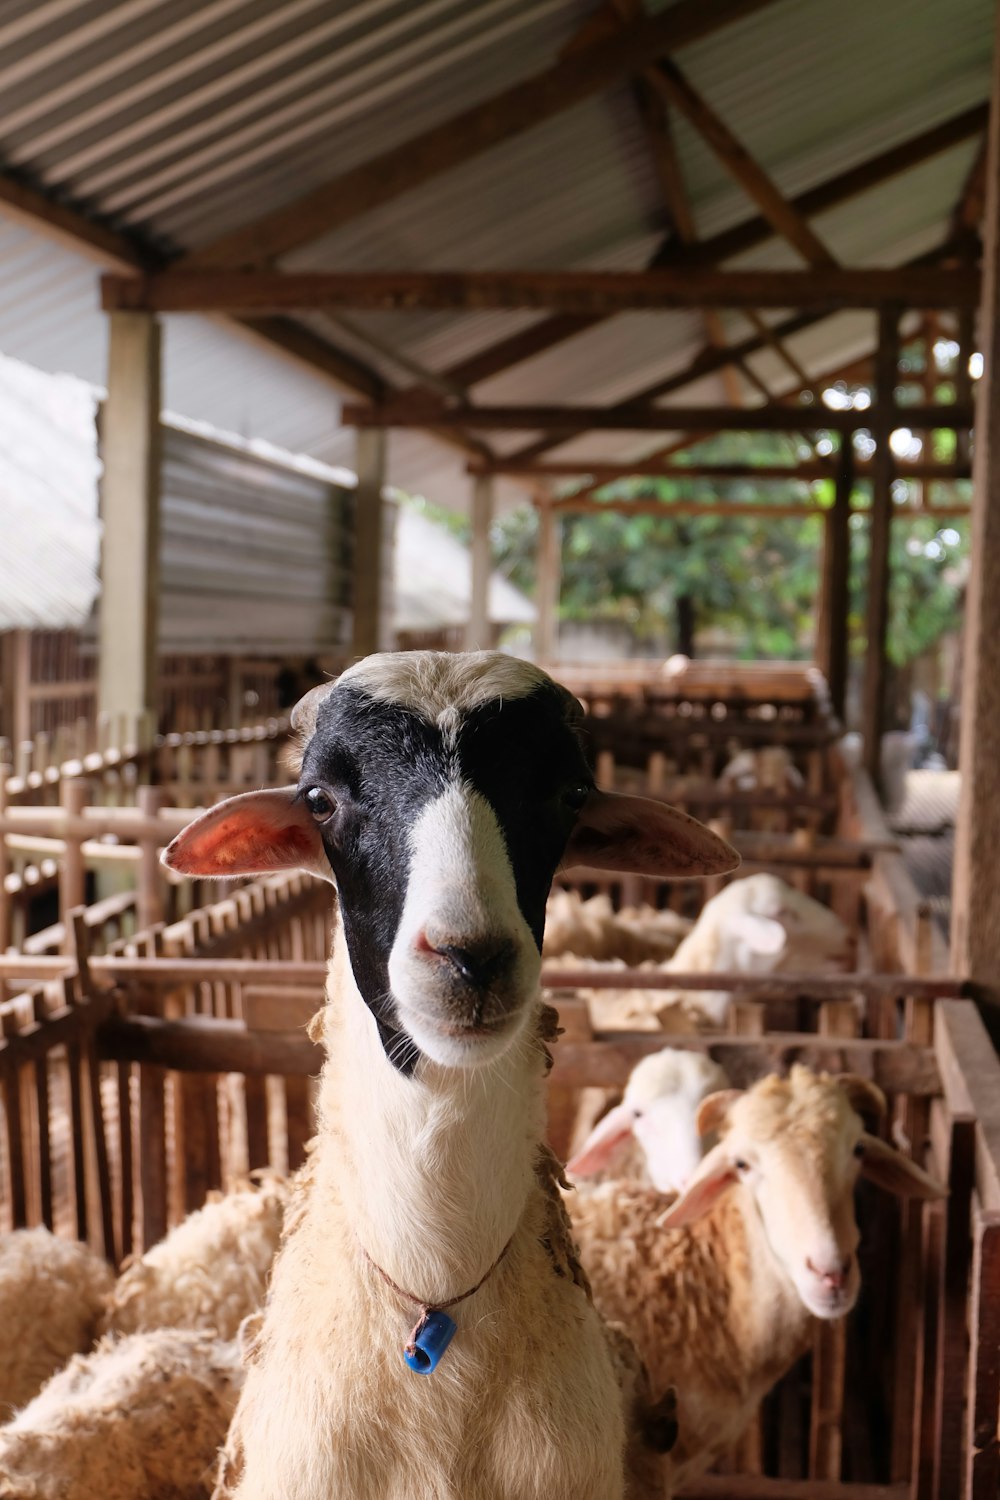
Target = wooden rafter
(755,231)
(665,418)
(968,211)
(786,221)
(800,473)
(827,287)
(583,505)
(519,108)
(550,332)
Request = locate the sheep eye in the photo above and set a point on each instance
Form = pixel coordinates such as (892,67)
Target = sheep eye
(576,796)
(859,1149)
(319,804)
(741,1165)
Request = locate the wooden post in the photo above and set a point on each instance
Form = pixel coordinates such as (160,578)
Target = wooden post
(130,509)
(372,601)
(976,883)
(548,583)
(886,362)
(479,635)
(837,558)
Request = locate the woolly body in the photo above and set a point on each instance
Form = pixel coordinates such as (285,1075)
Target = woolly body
(52,1295)
(140,1417)
(210,1272)
(592,929)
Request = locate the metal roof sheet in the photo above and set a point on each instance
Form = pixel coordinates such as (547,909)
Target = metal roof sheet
(182,119)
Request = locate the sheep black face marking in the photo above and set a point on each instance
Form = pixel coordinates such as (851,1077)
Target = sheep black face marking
(453,829)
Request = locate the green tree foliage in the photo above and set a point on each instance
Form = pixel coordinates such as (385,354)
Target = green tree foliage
(754,581)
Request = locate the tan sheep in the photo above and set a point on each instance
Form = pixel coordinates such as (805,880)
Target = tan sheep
(719,1288)
(210,1272)
(52,1295)
(139,1418)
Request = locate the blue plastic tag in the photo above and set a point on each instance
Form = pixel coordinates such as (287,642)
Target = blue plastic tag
(429,1341)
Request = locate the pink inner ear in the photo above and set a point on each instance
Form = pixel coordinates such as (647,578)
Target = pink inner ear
(236,845)
(602,1142)
(705,1188)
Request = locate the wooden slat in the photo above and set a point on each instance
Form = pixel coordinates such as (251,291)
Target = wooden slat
(105,1196)
(582,292)
(300,1119)
(982,1450)
(152,1149)
(126,1159)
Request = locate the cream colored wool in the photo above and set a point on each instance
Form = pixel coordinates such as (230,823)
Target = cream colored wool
(52,1293)
(210,1272)
(142,1418)
(592,929)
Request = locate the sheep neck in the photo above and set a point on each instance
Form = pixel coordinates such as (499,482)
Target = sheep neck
(433,1171)
(775,1327)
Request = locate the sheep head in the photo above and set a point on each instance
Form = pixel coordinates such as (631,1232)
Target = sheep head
(799,1145)
(440,793)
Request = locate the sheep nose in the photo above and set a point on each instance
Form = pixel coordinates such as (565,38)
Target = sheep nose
(477,963)
(835,1279)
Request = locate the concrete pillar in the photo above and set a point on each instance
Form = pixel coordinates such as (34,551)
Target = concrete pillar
(372,589)
(975,931)
(547,588)
(479,636)
(130,512)
(873,706)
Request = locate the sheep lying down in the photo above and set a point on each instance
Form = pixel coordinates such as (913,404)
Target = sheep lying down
(757,925)
(719,1288)
(52,1296)
(141,1418)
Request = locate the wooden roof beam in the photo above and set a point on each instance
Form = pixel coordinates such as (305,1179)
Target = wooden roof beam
(548,333)
(664,509)
(666,418)
(742,167)
(521,107)
(827,287)
(752,232)
(653,468)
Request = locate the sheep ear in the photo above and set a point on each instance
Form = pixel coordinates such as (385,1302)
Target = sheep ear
(303,715)
(763,934)
(890,1169)
(713,1110)
(602,1142)
(252,834)
(864,1096)
(642,837)
(709,1182)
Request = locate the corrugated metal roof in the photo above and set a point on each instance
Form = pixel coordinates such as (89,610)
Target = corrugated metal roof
(182,119)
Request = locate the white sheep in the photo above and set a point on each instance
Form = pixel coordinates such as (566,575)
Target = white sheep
(658,1116)
(769,768)
(592,929)
(140,1417)
(210,1272)
(52,1293)
(720,1288)
(758,925)
(442,792)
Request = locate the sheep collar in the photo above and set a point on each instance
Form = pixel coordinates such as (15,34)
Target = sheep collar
(434,1330)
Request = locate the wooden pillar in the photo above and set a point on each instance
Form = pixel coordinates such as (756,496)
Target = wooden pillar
(837,557)
(479,636)
(547,587)
(372,598)
(886,363)
(975,928)
(130,511)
